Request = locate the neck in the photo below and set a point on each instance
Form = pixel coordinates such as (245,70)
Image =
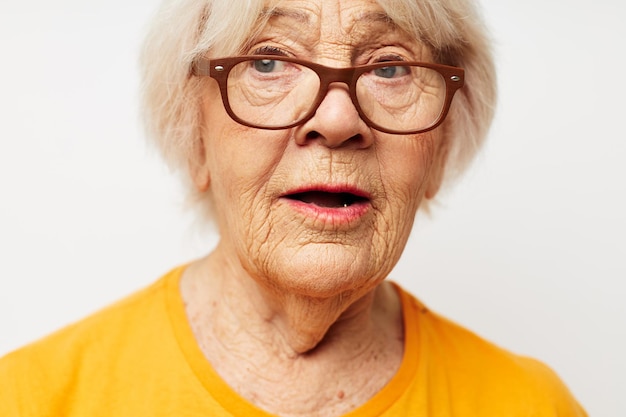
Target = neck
(324,355)
(294,323)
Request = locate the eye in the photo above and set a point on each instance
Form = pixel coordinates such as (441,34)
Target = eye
(268,65)
(391,71)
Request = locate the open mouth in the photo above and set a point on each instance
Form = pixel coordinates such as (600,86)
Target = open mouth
(328,199)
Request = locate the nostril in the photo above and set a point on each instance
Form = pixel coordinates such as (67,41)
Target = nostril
(313,135)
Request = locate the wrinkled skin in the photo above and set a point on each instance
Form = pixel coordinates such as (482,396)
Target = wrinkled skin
(303,274)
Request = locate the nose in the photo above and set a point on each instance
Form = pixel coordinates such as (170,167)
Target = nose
(336,122)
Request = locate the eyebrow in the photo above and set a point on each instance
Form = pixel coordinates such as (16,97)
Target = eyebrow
(273,12)
(377,17)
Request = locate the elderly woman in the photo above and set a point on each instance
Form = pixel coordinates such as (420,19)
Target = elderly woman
(310,131)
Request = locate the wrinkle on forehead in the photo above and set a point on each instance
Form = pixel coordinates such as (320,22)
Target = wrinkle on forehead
(353,21)
(308,18)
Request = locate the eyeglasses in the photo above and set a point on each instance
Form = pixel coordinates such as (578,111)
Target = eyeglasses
(275,92)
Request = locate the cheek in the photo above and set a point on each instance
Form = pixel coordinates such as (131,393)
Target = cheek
(406,169)
(240,159)
(241,164)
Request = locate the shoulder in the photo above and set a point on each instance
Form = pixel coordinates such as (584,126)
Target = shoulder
(49,369)
(478,372)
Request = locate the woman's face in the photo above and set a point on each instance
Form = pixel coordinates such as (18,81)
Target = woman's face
(325,207)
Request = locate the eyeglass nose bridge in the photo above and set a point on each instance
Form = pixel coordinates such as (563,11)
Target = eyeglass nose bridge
(328,76)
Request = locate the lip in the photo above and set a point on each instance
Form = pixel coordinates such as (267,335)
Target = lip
(358,202)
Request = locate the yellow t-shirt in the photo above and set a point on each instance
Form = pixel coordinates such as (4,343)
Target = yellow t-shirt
(139,357)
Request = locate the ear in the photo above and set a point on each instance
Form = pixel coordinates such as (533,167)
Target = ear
(438,169)
(199,166)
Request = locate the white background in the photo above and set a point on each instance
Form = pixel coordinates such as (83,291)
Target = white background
(528,250)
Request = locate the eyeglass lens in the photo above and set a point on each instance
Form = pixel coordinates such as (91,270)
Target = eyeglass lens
(275,93)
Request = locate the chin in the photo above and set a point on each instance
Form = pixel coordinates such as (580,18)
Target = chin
(325,271)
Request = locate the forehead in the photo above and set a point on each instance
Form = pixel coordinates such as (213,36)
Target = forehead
(345,20)
(316,12)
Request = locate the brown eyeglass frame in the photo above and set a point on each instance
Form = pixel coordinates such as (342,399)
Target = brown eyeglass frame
(219,69)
